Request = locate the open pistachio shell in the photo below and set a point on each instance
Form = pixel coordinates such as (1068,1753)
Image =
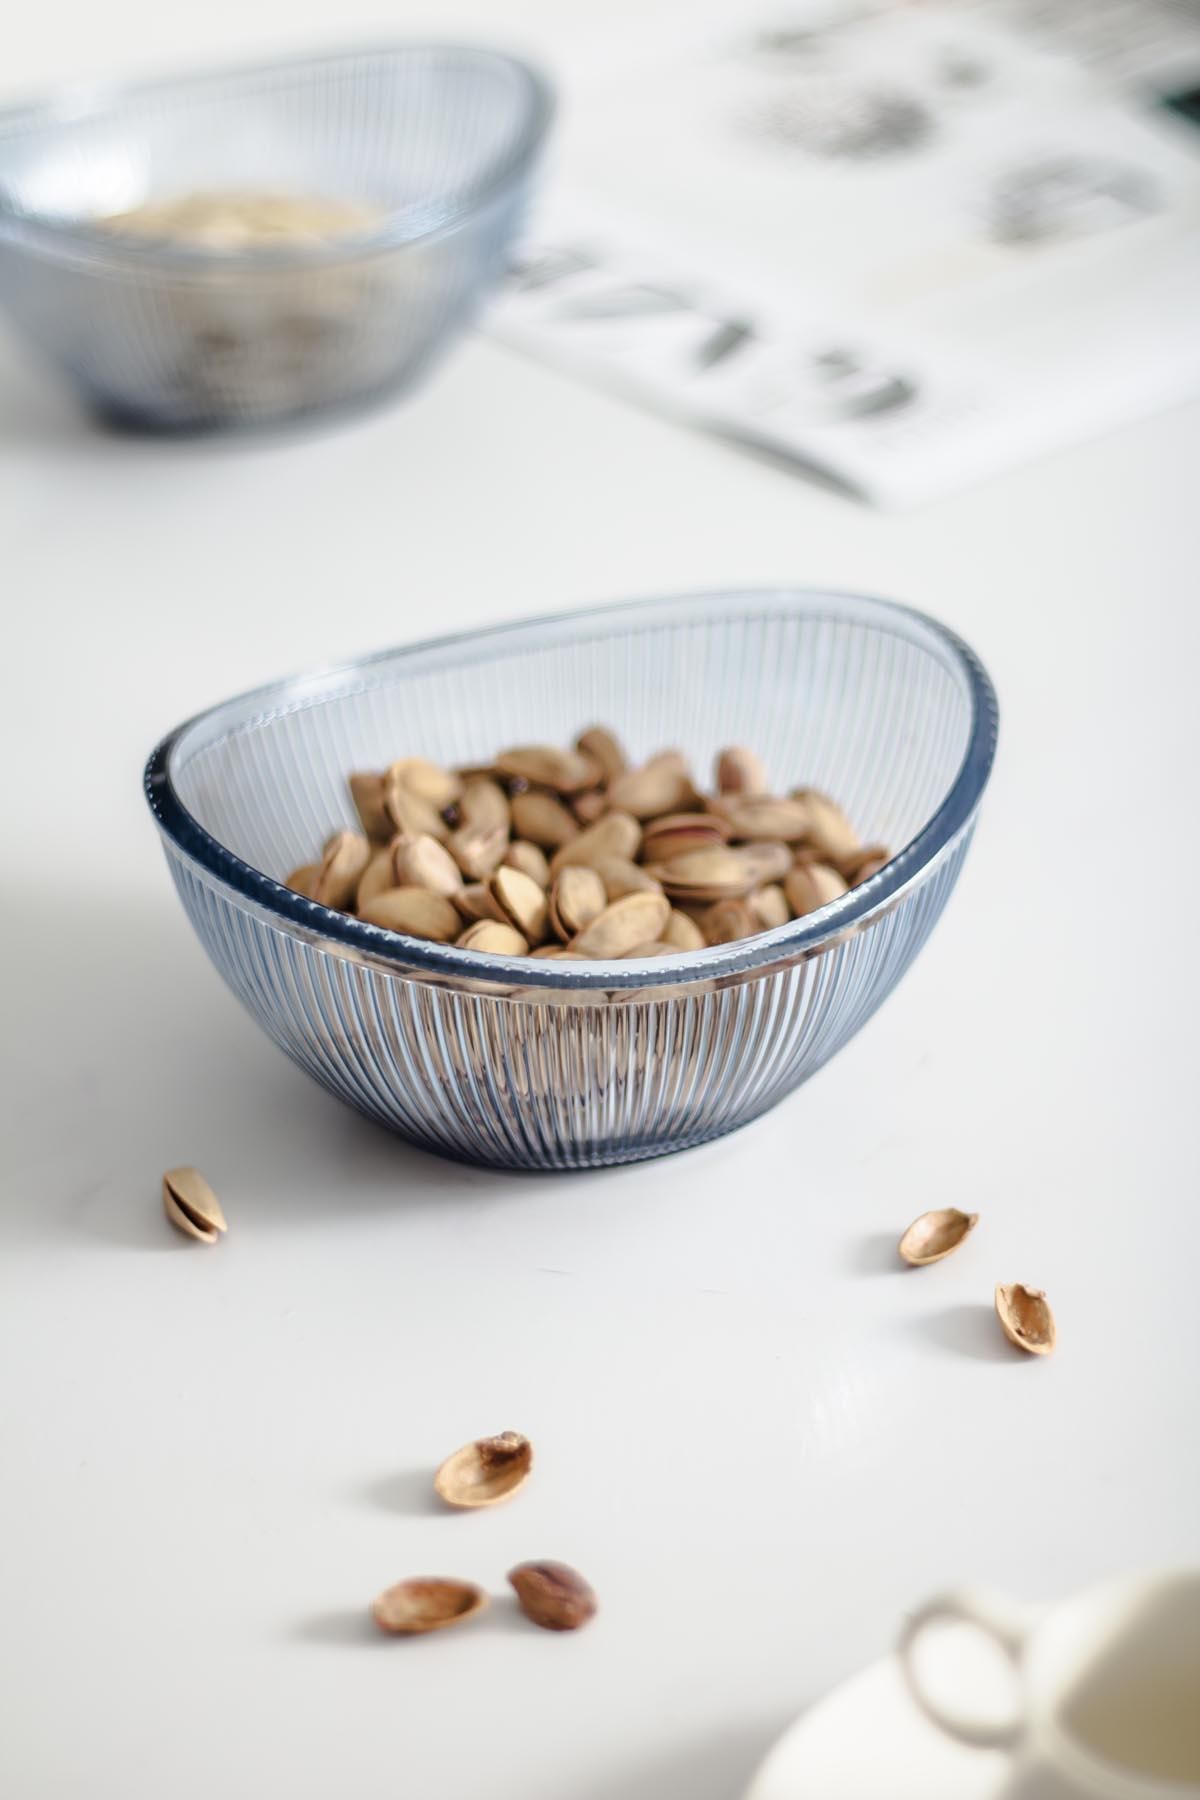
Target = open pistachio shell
(1026,1319)
(427,1603)
(935,1234)
(485,1472)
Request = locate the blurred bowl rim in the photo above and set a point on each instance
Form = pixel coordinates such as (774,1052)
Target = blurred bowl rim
(417,958)
(418,223)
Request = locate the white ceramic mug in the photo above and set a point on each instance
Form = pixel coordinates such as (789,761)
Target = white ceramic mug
(1109,1688)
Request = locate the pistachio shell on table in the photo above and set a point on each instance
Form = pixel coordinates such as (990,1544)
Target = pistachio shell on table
(935,1235)
(577,896)
(428,780)
(414,911)
(604,748)
(553,1595)
(740,771)
(625,923)
(191,1205)
(366,791)
(483,803)
(492,938)
(829,830)
(346,855)
(542,765)
(486,1471)
(809,886)
(616,834)
(1026,1319)
(531,859)
(522,902)
(427,1603)
(543,819)
(423,862)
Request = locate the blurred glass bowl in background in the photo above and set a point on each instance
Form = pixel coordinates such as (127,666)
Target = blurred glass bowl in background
(434,147)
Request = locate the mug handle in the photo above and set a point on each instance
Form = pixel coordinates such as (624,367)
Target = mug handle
(1005,1623)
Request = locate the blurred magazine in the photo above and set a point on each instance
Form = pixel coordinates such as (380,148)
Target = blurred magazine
(905,245)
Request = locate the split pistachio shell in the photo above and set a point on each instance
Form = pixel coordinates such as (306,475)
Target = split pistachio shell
(366,791)
(440,787)
(191,1205)
(530,860)
(740,771)
(543,819)
(935,1234)
(542,765)
(681,932)
(553,1595)
(478,849)
(1026,1319)
(812,885)
(829,830)
(616,834)
(347,854)
(493,939)
(678,833)
(522,902)
(604,749)
(414,911)
(483,803)
(576,898)
(635,919)
(485,1472)
(423,862)
(304,879)
(717,873)
(427,1603)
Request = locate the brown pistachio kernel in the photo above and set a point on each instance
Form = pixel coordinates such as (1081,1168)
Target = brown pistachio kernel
(553,1595)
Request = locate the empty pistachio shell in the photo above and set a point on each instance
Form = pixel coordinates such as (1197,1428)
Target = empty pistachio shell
(440,787)
(740,771)
(366,791)
(427,1603)
(681,932)
(414,911)
(812,885)
(1026,1319)
(577,896)
(522,902)
(553,1595)
(543,819)
(484,803)
(935,1234)
(304,879)
(566,771)
(191,1205)
(828,827)
(423,862)
(479,849)
(635,919)
(616,834)
(346,856)
(603,748)
(660,786)
(485,1472)
(494,939)
(530,859)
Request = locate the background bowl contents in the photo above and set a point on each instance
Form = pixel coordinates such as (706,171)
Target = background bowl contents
(575,853)
(538,1061)
(256,244)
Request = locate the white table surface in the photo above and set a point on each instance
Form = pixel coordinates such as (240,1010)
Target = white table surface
(759,1438)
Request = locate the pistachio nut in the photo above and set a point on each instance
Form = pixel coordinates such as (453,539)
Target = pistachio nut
(191,1205)
(414,911)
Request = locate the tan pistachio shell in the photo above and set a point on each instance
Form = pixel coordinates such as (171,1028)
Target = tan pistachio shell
(428,780)
(303,880)
(809,886)
(770,907)
(616,834)
(191,1205)
(378,876)
(474,902)
(427,1603)
(682,932)
(347,854)
(662,785)
(861,867)
(479,849)
(410,813)
(542,765)
(522,902)
(621,877)
(483,803)
(366,791)
(829,830)
(935,1235)
(717,873)
(543,819)
(604,748)
(423,862)
(577,896)
(486,1471)
(530,859)
(1026,1319)
(590,805)
(493,939)
(625,923)
(414,911)
(678,833)
(728,920)
(740,771)
(769,860)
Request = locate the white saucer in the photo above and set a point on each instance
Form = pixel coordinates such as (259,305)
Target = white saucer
(867,1741)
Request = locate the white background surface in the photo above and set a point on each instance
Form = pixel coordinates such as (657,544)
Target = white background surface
(759,1439)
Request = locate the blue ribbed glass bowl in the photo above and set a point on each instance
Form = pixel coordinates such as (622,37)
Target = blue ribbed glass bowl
(440,141)
(536,1064)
